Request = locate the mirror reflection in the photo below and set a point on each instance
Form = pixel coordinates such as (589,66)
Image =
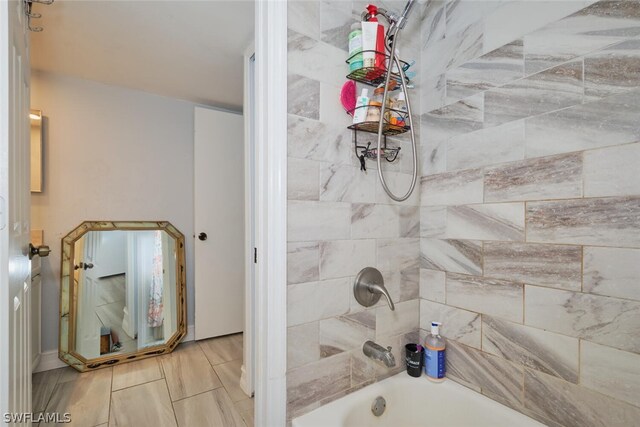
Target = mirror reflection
(125,284)
(35,118)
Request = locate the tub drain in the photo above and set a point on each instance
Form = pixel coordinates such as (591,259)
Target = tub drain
(378,406)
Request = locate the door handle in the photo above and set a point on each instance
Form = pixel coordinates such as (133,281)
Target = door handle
(202,236)
(83,266)
(41,251)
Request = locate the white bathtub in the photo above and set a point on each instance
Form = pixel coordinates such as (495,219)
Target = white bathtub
(415,402)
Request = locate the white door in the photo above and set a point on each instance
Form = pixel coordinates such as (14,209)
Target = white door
(219,223)
(88,323)
(15,280)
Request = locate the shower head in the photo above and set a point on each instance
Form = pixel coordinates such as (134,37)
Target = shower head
(402,20)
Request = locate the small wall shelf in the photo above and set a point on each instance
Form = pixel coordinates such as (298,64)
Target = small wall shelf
(374,76)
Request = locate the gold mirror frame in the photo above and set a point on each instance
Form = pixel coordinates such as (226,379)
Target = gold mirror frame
(68,296)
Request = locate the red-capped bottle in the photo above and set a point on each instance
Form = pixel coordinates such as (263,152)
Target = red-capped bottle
(380,49)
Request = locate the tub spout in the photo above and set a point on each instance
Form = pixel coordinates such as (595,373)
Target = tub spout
(377,352)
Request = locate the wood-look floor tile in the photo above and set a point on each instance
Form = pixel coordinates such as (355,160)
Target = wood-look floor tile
(188,372)
(143,405)
(245,408)
(135,373)
(229,374)
(70,374)
(43,385)
(222,349)
(213,408)
(86,398)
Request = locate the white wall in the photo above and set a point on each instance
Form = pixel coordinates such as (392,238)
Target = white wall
(109,154)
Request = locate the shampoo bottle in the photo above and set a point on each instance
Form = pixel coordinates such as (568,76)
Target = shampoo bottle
(434,354)
(362,105)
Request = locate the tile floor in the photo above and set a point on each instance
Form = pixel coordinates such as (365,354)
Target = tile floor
(196,385)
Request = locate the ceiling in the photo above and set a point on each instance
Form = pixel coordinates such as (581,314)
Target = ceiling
(191,50)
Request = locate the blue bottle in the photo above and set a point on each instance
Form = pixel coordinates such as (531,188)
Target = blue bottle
(434,354)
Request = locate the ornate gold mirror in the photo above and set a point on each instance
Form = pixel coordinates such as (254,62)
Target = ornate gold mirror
(123,292)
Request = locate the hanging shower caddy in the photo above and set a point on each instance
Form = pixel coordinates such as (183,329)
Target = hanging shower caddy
(374,76)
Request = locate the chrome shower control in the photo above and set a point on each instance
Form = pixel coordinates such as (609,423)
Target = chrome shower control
(369,287)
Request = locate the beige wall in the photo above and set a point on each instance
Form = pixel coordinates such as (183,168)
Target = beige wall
(110,154)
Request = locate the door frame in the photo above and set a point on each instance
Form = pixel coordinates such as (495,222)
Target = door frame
(271,212)
(247,372)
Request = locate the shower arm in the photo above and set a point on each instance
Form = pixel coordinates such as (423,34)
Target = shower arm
(392,35)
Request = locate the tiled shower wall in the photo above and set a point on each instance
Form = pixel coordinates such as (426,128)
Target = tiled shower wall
(340,220)
(530,204)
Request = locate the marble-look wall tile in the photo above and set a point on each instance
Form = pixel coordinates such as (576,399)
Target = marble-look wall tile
(609,121)
(433,92)
(303,16)
(612,70)
(452,188)
(345,183)
(492,69)
(545,351)
(457,324)
(612,171)
(610,371)
(590,29)
(498,298)
(399,184)
(433,24)
(345,258)
(432,285)
(303,182)
(456,48)
(374,221)
(318,221)
(302,262)
(492,374)
(547,91)
(397,254)
(303,345)
(433,221)
(303,96)
(314,140)
(612,271)
(458,118)
(336,18)
(308,302)
(314,381)
(575,406)
(498,144)
(556,177)
(345,333)
(497,221)
(432,152)
(604,320)
(555,266)
(613,221)
(458,256)
(315,59)
(402,320)
(409,221)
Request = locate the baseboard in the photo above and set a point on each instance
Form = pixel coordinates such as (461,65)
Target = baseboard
(49,359)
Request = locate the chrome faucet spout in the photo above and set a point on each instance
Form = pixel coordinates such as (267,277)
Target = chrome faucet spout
(377,352)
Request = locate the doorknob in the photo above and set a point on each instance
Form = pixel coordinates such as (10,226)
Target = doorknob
(83,266)
(41,251)
(202,236)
